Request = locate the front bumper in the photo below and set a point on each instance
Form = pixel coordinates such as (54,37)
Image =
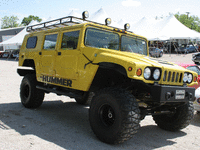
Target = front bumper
(161,93)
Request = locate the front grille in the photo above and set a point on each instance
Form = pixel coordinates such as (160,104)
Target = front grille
(174,77)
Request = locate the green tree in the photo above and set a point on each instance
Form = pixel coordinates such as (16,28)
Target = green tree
(192,22)
(9,22)
(28,19)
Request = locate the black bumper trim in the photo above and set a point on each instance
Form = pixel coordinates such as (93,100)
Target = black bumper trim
(162,93)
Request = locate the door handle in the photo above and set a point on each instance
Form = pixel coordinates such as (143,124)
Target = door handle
(59,53)
(40,53)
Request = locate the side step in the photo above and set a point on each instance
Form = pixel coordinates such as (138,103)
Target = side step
(58,92)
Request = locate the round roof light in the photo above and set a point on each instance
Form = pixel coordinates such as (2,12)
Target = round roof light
(108,21)
(126,26)
(85,15)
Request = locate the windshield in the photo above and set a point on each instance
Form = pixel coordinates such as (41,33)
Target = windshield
(134,45)
(103,39)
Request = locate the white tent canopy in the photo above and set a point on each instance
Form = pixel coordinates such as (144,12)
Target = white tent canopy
(17,39)
(99,16)
(165,29)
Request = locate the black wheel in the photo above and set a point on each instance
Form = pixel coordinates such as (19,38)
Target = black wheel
(83,100)
(160,54)
(114,115)
(31,97)
(177,121)
(197,63)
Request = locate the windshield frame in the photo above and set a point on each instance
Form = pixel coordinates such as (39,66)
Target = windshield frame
(120,37)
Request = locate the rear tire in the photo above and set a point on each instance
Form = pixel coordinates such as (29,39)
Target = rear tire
(31,97)
(175,122)
(114,115)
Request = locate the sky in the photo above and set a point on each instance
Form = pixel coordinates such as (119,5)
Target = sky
(128,10)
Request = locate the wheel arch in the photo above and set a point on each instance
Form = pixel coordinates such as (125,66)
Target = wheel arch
(29,63)
(113,66)
(108,74)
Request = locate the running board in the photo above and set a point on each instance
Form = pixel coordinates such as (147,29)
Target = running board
(50,90)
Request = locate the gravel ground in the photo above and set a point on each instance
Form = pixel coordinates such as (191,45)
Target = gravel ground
(61,124)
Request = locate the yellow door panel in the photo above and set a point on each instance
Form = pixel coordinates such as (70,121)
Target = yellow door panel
(66,64)
(47,62)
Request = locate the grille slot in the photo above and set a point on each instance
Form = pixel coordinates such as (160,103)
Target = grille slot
(171,76)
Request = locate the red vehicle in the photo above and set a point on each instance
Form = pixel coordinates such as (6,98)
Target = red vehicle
(194,68)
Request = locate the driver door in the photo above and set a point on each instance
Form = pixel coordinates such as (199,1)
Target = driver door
(67,55)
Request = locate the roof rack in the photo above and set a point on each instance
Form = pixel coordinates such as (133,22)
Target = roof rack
(68,21)
(61,22)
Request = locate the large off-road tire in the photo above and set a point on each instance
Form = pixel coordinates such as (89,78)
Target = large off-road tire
(175,122)
(31,97)
(114,115)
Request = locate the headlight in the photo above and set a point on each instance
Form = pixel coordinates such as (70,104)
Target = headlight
(156,74)
(147,73)
(189,78)
(185,77)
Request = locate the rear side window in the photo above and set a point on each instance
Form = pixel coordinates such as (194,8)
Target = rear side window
(31,42)
(70,40)
(50,41)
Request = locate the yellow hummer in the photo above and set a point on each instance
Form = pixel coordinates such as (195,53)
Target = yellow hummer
(110,68)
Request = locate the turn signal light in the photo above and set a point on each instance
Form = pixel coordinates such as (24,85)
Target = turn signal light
(195,79)
(139,72)
(130,68)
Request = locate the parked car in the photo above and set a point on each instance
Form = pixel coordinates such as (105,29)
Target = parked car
(182,49)
(5,54)
(197,100)
(190,49)
(155,52)
(194,68)
(196,58)
(15,54)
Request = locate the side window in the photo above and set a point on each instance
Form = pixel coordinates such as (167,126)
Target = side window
(70,40)
(50,41)
(31,42)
